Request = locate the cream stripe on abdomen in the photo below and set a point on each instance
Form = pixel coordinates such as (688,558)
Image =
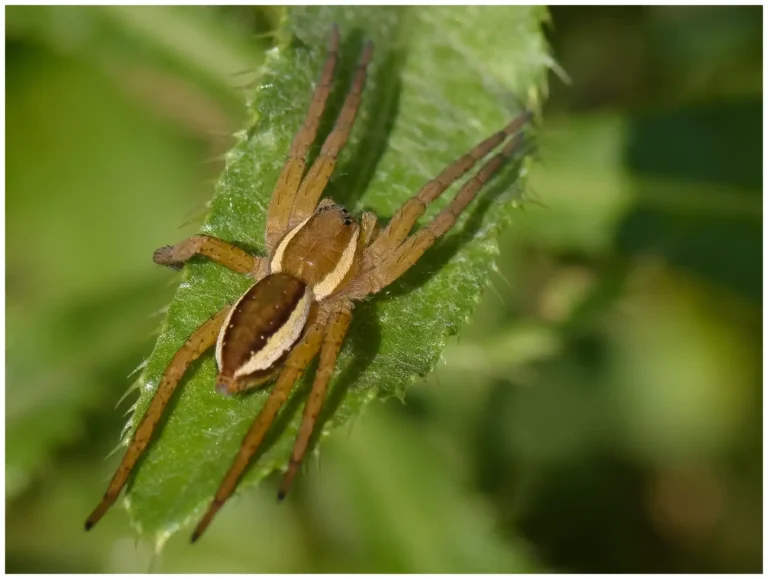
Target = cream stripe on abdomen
(281,341)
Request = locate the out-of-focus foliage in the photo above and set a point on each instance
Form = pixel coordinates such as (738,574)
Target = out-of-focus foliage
(601,413)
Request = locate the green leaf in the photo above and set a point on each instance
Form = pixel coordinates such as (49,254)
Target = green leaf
(441,80)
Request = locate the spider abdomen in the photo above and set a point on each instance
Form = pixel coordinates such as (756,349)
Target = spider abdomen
(320,251)
(260,329)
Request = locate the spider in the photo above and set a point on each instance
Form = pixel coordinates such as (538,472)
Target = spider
(320,260)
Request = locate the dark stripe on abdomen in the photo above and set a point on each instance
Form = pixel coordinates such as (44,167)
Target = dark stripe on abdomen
(261,312)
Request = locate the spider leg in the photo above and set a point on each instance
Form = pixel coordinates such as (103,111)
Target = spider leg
(334,336)
(280,206)
(203,338)
(228,255)
(405,218)
(295,365)
(409,251)
(319,174)
(370,227)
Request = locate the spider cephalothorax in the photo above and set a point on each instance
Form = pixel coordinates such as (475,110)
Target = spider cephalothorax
(320,260)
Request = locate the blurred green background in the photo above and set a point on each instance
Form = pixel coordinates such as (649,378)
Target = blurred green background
(602,412)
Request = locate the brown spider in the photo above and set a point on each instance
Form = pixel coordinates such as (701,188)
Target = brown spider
(320,260)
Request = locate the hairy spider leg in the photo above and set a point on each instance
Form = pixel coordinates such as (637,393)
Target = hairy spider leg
(281,204)
(295,364)
(369,224)
(406,216)
(201,339)
(320,173)
(410,250)
(334,337)
(226,254)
